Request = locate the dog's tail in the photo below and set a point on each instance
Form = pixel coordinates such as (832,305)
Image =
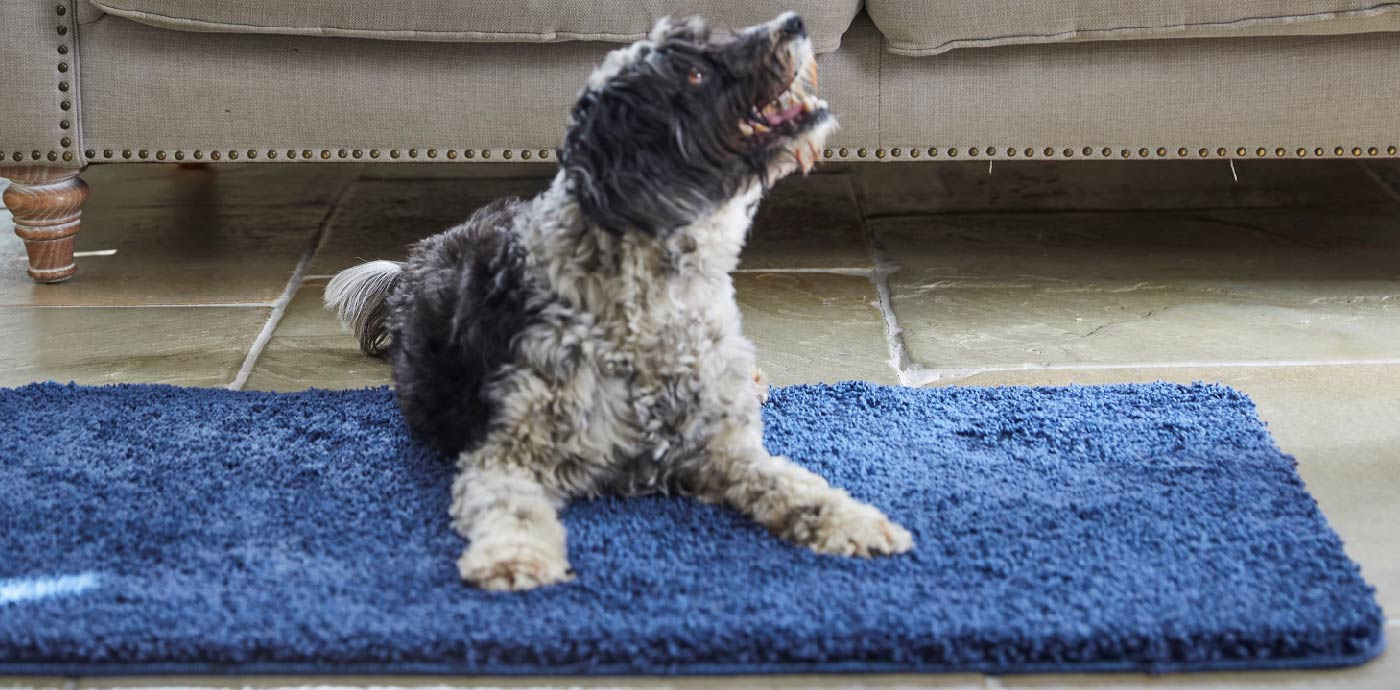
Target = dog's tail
(359,295)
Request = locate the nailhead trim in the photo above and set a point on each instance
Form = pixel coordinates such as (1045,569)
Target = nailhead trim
(879,153)
(1143,152)
(65,142)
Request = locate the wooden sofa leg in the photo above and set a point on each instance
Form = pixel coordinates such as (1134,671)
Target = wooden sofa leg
(47,206)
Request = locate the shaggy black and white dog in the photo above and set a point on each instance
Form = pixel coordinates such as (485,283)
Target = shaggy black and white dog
(587,340)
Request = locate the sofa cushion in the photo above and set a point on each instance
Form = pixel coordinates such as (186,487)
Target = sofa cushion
(483,21)
(929,27)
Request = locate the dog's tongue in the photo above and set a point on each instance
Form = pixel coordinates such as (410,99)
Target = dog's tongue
(786,114)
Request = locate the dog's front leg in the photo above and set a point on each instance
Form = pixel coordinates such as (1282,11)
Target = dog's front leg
(794,503)
(512,524)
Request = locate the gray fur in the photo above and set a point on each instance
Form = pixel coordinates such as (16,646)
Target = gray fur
(588,341)
(358,295)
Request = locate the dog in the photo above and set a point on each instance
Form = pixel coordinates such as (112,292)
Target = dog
(587,341)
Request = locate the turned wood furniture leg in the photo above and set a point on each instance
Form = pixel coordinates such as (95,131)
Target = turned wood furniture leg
(47,206)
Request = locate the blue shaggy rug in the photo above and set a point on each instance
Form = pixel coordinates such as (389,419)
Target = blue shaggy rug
(151,529)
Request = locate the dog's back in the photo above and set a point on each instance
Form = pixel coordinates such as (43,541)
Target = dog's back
(446,318)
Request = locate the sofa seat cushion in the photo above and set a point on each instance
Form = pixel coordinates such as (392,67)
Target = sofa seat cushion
(483,21)
(930,27)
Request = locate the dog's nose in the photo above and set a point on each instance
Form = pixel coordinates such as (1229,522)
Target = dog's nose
(794,27)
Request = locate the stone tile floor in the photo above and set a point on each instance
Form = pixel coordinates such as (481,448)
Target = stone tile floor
(1284,284)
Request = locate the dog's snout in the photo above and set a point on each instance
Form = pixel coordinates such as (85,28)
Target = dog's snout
(792,27)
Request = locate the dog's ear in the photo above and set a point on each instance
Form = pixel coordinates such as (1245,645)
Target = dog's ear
(622,162)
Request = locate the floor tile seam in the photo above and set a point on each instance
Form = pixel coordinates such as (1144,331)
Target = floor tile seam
(925,375)
(279,308)
(192,305)
(1138,210)
(1386,188)
(881,266)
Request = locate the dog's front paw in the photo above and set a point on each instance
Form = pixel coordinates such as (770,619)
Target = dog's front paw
(760,381)
(847,527)
(509,565)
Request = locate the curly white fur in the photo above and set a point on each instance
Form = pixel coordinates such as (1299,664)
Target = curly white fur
(628,372)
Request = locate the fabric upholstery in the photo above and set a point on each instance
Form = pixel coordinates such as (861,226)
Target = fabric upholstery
(930,27)
(150,88)
(31,102)
(490,21)
(147,88)
(1290,92)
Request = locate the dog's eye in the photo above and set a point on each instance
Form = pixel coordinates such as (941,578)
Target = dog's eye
(696,77)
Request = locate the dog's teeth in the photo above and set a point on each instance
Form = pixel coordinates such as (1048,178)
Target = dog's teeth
(760,127)
(807,106)
(745,129)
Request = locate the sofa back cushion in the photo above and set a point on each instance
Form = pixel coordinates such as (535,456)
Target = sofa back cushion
(486,21)
(930,27)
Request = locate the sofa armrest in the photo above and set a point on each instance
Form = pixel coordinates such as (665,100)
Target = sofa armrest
(39,103)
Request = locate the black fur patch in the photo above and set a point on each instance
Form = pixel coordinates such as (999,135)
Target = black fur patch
(463,297)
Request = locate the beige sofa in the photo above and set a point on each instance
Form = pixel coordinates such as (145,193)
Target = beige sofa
(130,81)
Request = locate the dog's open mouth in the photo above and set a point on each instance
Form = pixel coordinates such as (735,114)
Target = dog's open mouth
(789,114)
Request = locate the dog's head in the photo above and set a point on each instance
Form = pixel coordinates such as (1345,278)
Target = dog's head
(673,126)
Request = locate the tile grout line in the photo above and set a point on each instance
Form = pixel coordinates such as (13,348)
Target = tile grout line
(882,266)
(196,305)
(864,272)
(1127,210)
(279,306)
(923,376)
(1388,190)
